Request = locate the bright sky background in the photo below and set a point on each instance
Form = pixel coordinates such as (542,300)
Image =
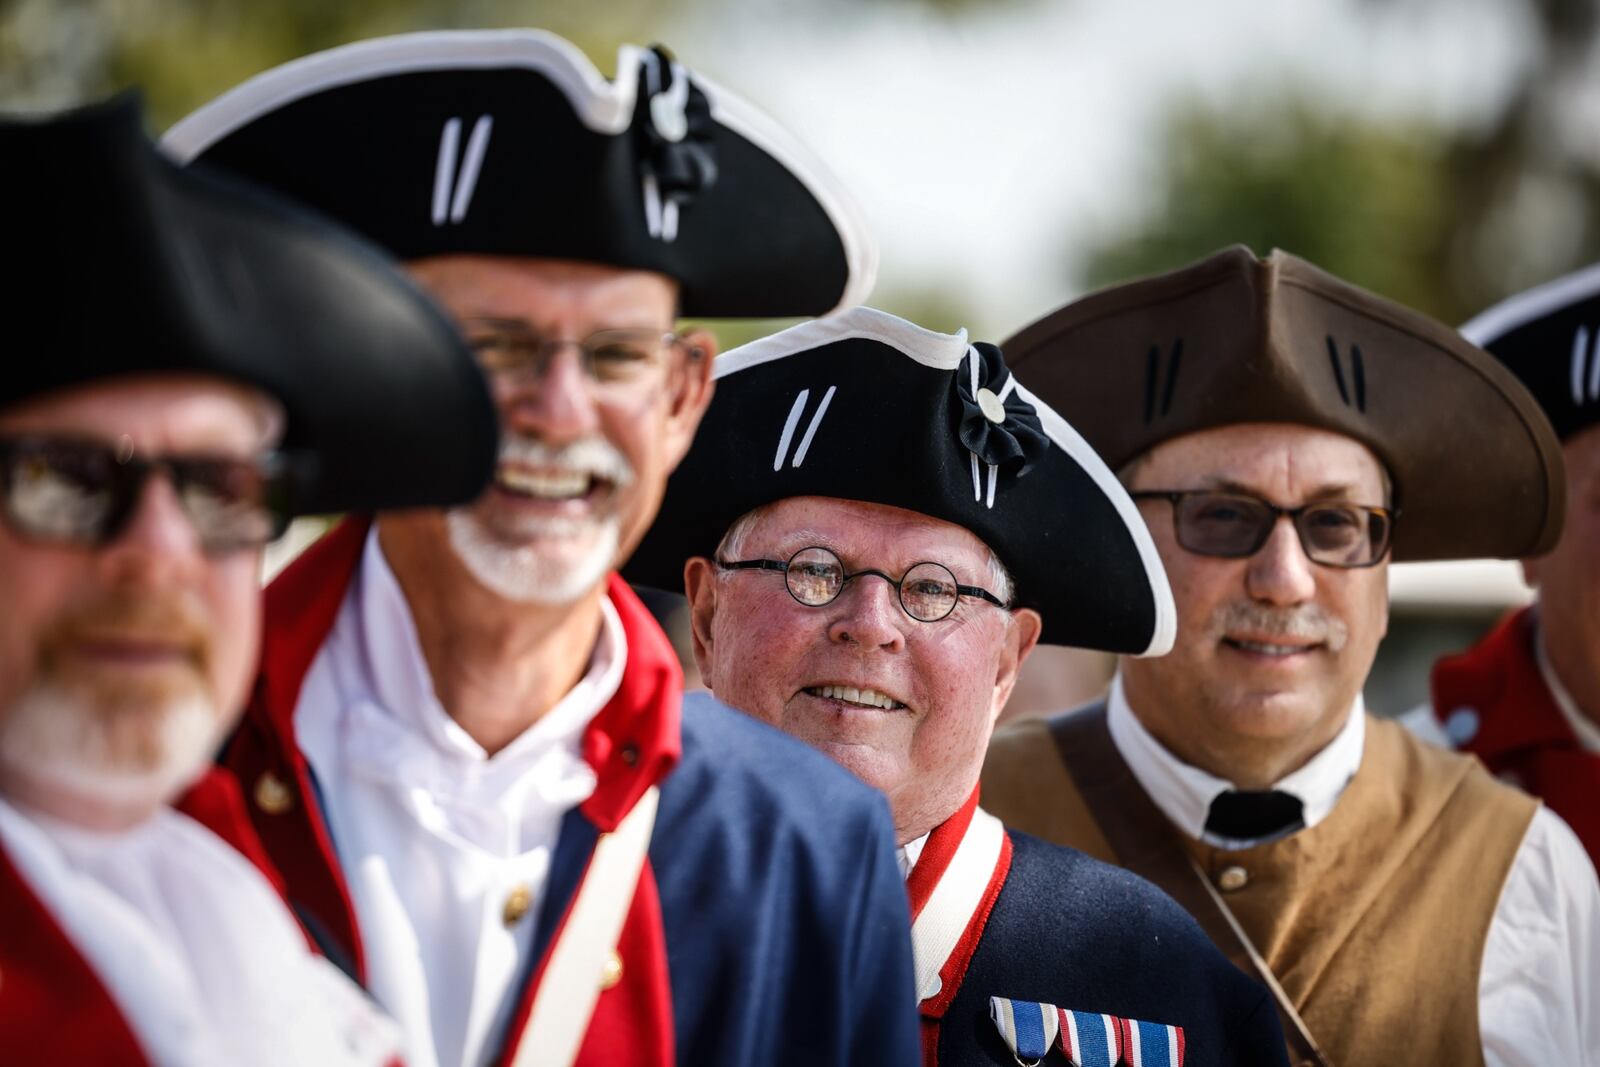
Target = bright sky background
(985,147)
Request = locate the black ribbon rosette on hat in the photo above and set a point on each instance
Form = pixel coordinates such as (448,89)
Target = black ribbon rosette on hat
(998,426)
(676,135)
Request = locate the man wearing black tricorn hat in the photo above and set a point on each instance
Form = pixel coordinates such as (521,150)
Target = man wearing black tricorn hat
(876,601)
(1284,433)
(466,750)
(191,363)
(1526,699)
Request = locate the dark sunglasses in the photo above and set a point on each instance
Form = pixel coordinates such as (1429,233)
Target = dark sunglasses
(815,576)
(79,491)
(1233,525)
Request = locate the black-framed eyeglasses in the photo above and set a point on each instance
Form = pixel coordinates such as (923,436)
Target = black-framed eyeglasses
(1235,525)
(506,347)
(815,576)
(82,491)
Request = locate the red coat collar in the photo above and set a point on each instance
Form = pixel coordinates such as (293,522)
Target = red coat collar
(1499,680)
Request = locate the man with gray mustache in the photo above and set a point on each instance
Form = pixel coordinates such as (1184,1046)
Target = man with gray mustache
(1282,432)
(467,748)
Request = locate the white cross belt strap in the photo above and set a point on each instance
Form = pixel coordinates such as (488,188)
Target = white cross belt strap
(949,910)
(565,999)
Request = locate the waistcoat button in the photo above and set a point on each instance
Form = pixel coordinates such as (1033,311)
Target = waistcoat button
(1232,878)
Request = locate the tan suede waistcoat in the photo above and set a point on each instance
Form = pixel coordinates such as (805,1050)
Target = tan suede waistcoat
(1374,920)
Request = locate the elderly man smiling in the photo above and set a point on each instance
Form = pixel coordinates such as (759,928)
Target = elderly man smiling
(876,600)
(1285,432)
(467,749)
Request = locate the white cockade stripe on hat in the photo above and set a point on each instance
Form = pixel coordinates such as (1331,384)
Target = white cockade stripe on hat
(977,479)
(444,170)
(795,411)
(452,193)
(477,146)
(811,430)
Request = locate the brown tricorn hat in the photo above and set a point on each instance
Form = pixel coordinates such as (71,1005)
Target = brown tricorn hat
(1233,338)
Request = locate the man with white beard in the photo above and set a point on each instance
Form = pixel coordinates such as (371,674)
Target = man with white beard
(467,751)
(192,363)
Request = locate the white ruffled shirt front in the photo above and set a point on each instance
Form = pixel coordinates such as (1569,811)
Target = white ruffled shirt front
(194,946)
(434,835)
(1539,984)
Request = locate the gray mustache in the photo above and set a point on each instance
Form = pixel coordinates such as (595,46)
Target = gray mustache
(1306,622)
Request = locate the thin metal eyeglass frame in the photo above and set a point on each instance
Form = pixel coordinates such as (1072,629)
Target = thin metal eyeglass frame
(543,349)
(1175,497)
(782,567)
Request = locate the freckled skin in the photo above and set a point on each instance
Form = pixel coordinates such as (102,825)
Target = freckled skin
(1568,578)
(758,650)
(1249,718)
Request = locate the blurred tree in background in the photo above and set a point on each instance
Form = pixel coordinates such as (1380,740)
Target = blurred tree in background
(1447,221)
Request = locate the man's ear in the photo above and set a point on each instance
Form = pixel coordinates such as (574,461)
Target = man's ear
(691,387)
(1022,636)
(700,587)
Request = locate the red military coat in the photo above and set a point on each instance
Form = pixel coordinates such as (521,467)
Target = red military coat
(1492,701)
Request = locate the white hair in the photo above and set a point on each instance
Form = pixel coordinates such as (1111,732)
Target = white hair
(732,547)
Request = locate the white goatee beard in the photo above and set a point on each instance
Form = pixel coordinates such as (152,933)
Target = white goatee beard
(50,739)
(512,563)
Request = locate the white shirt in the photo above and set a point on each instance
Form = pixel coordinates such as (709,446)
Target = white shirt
(434,835)
(1539,985)
(194,946)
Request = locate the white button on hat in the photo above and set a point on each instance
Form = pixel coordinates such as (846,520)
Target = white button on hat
(668,117)
(1233,878)
(991,405)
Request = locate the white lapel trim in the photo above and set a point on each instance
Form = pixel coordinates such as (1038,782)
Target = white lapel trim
(948,913)
(567,992)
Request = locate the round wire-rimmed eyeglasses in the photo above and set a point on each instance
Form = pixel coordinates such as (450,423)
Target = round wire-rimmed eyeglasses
(815,576)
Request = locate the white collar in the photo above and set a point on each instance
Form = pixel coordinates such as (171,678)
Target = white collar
(398,672)
(194,945)
(908,854)
(1184,793)
(1587,733)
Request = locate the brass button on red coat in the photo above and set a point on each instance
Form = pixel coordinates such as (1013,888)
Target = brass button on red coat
(272,795)
(611,974)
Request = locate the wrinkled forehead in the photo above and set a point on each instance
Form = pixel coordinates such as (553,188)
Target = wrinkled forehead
(863,534)
(1284,461)
(548,293)
(158,413)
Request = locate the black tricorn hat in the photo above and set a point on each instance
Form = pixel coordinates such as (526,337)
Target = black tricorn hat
(509,142)
(131,265)
(1550,338)
(865,406)
(1236,339)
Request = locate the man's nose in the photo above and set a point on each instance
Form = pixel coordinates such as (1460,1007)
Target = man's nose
(1280,572)
(555,403)
(158,542)
(868,613)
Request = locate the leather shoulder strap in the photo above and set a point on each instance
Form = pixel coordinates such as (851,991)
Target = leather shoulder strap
(1148,845)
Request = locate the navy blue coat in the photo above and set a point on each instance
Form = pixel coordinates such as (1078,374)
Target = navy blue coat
(1071,931)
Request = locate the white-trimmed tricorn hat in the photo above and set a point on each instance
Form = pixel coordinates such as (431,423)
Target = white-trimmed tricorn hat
(865,406)
(509,142)
(1549,337)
